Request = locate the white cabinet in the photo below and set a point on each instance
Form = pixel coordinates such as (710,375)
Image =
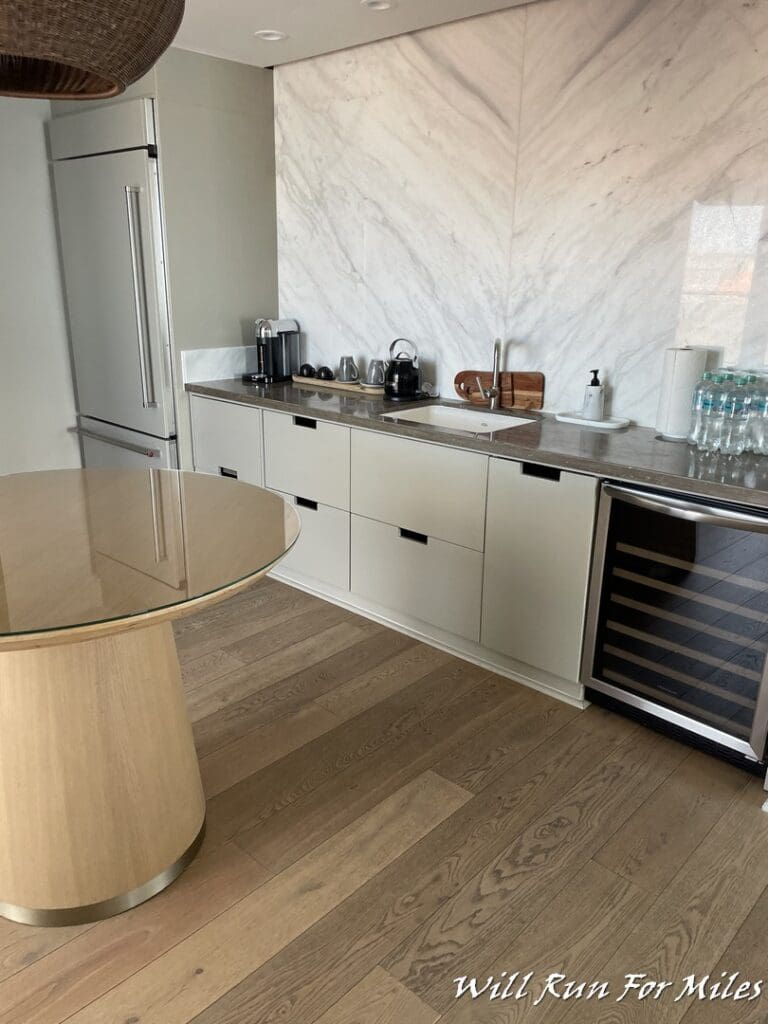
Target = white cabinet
(487,556)
(423,487)
(539,531)
(227,439)
(322,551)
(307,458)
(418,576)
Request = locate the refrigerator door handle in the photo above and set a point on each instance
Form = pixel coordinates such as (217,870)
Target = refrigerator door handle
(132,192)
(149,453)
(689,510)
(158,519)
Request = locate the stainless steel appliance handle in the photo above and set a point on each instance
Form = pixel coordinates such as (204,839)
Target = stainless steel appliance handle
(158,519)
(682,509)
(148,399)
(149,453)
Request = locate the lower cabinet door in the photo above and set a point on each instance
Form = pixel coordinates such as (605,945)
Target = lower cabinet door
(538,550)
(227,439)
(322,550)
(418,576)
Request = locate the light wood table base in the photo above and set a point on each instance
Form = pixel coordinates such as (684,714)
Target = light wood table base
(101,804)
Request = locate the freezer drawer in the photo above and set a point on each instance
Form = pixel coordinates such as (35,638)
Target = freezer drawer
(108,447)
(109,221)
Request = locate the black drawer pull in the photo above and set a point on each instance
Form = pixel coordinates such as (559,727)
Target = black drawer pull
(306,503)
(543,472)
(420,538)
(231,473)
(305,421)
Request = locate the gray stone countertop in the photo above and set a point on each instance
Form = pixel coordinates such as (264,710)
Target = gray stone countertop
(633,455)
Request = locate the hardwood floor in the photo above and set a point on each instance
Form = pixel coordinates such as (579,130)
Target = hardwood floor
(384,819)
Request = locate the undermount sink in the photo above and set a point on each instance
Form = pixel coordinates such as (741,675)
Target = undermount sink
(475,421)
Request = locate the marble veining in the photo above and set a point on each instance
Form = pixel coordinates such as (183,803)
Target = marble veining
(585,178)
(641,191)
(396,191)
(199,364)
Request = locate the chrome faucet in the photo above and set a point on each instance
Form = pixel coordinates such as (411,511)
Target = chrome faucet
(494,391)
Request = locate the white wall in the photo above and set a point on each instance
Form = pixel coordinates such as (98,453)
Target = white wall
(36,396)
(585,178)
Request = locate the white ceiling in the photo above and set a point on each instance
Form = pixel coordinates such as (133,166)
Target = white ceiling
(225,28)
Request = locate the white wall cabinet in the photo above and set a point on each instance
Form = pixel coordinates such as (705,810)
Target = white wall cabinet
(307,458)
(423,487)
(418,576)
(539,532)
(227,439)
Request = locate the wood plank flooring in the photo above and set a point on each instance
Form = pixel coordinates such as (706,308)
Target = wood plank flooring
(385,818)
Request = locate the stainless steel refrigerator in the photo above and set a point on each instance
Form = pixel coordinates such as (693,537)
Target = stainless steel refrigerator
(111,232)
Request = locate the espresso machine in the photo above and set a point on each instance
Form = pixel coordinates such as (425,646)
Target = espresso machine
(277,352)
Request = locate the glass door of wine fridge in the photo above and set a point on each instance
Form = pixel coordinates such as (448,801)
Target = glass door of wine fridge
(678,621)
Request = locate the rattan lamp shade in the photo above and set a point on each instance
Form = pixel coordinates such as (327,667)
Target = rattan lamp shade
(81,49)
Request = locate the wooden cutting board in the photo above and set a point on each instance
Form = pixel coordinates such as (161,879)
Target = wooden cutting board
(518,390)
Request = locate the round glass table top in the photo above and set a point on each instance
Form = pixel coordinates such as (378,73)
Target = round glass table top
(86,546)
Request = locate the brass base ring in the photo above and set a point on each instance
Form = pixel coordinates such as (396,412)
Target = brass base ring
(106,908)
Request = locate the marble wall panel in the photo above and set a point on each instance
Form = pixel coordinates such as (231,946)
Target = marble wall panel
(585,178)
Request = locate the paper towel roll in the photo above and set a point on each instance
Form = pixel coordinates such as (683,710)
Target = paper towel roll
(683,368)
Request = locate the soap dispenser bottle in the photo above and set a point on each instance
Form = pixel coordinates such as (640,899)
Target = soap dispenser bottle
(594,399)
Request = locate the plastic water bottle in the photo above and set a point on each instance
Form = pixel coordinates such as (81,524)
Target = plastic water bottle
(697,409)
(758,421)
(753,395)
(735,416)
(713,407)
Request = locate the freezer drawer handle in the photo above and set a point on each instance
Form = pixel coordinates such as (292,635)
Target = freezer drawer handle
(419,538)
(305,421)
(140,295)
(148,453)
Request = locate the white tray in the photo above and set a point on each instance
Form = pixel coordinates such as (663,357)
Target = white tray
(610,423)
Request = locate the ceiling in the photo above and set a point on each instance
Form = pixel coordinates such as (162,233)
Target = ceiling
(225,28)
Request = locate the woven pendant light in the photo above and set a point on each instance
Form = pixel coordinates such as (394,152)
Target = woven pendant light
(81,49)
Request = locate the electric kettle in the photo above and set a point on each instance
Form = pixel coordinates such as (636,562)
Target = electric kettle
(403,380)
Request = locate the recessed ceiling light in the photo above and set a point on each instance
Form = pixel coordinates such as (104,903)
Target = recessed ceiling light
(377,5)
(271,35)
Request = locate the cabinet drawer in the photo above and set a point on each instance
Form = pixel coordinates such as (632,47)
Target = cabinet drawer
(436,582)
(537,560)
(227,439)
(322,550)
(308,457)
(423,487)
